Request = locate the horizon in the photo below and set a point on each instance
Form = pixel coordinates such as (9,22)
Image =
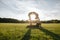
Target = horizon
(27,19)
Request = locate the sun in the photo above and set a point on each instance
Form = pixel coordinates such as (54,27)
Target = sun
(32,17)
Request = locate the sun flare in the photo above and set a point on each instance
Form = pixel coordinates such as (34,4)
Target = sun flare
(32,17)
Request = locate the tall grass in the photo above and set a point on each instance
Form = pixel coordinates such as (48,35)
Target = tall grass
(16,31)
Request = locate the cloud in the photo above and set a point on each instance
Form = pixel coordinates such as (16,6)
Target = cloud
(47,9)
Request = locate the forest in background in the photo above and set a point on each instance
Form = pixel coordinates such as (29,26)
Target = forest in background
(11,20)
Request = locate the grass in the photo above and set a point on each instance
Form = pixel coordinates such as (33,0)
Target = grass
(17,31)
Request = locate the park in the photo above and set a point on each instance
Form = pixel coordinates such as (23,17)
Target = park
(31,30)
(29,19)
(18,31)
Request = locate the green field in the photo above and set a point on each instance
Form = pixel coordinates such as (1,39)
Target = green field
(17,31)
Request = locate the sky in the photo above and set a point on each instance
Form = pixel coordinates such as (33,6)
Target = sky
(19,9)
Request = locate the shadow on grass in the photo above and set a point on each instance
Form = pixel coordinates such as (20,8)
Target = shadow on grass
(33,27)
(47,32)
(53,35)
(27,35)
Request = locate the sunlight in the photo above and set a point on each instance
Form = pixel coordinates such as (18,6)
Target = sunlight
(32,17)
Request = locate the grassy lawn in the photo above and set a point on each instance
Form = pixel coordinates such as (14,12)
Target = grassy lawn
(17,31)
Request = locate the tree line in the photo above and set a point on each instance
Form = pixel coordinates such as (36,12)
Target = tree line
(51,21)
(11,20)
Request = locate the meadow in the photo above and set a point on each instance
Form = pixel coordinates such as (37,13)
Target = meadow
(20,31)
